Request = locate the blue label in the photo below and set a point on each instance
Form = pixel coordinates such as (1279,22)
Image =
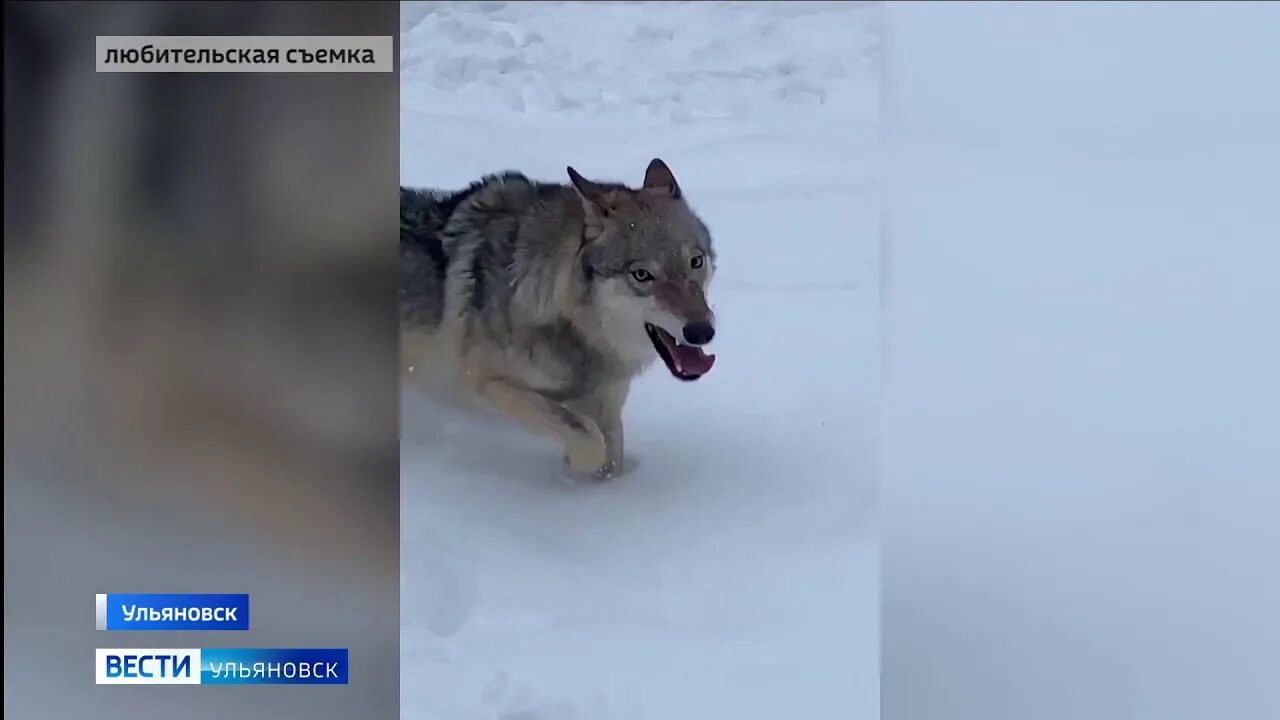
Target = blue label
(158,611)
(273,666)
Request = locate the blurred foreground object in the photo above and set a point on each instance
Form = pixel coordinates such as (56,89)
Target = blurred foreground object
(200,341)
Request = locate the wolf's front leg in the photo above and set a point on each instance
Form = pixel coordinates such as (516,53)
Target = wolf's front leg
(613,397)
(605,407)
(579,434)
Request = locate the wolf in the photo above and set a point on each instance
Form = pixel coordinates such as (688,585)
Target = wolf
(543,301)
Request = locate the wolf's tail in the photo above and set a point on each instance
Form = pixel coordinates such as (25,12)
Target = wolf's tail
(423,259)
(423,214)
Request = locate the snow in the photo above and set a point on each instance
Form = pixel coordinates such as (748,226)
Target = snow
(1080,422)
(735,572)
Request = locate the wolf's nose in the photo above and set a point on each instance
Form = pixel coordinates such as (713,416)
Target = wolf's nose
(699,333)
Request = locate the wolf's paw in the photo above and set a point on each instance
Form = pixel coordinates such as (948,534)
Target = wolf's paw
(627,466)
(574,477)
(601,474)
(605,472)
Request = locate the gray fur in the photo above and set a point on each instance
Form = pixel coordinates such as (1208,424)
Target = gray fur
(529,284)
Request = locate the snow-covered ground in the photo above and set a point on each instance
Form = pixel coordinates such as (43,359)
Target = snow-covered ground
(735,573)
(1082,418)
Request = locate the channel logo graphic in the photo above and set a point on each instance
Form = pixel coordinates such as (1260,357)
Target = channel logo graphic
(143,666)
(159,611)
(221,666)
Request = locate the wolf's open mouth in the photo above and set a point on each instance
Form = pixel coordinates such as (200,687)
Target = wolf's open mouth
(686,362)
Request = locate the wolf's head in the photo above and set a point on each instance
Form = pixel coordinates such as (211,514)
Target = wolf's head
(649,260)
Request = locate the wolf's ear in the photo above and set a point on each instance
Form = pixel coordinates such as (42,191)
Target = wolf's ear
(659,177)
(593,194)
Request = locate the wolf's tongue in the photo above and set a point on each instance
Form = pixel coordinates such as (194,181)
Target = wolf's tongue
(692,361)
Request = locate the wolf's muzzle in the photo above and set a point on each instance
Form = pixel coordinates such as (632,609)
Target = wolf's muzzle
(699,333)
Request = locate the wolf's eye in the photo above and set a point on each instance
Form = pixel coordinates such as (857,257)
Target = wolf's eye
(641,275)
(696,262)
